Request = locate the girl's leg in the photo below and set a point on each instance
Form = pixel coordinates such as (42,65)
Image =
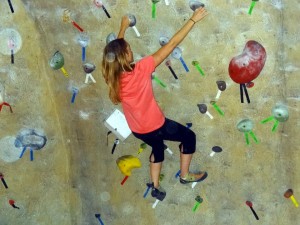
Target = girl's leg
(154,139)
(176,132)
(185,161)
(155,169)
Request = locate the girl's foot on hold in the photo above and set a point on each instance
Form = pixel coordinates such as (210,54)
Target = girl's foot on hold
(158,193)
(192,177)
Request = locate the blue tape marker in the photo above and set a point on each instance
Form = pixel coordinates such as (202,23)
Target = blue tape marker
(83,54)
(75,91)
(31,154)
(184,65)
(177,174)
(22,153)
(146,192)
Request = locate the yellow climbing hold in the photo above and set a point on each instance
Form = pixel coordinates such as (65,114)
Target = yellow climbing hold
(128,162)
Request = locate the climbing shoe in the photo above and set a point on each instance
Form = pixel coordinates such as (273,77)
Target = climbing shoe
(191,178)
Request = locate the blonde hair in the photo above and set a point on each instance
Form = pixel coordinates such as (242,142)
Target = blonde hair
(114,63)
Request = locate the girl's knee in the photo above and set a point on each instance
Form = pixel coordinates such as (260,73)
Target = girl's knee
(156,158)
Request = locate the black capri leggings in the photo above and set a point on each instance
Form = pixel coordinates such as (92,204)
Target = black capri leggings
(170,131)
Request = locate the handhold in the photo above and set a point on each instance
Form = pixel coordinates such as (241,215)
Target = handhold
(57,61)
(247,66)
(245,125)
(30,138)
(110,37)
(132,20)
(176,53)
(281,113)
(128,162)
(195,5)
(163,40)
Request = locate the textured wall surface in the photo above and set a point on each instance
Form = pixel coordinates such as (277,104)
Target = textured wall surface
(73,175)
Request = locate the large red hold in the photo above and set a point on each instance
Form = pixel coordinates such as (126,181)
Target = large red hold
(247,66)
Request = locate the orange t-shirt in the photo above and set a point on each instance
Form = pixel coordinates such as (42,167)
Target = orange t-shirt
(141,111)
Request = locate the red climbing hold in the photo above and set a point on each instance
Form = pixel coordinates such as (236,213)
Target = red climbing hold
(247,66)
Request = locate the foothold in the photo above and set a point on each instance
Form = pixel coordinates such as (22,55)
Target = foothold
(161,177)
(202,108)
(89,67)
(199,200)
(11,40)
(248,203)
(57,61)
(6,104)
(116,142)
(12,203)
(128,162)
(66,17)
(98,216)
(221,85)
(280,113)
(195,4)
(215,149)
(189,125)
(143,146)
(99,4)
(168,64)
(289,194)
(245,125)
(110,37)
(3,181)
(250,84)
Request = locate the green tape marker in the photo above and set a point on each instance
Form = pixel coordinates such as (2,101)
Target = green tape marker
(159,81)
(199,200)
(217,108)
(252,6)
(196,64)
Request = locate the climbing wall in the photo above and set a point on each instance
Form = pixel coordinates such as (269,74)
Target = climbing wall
(56,161)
